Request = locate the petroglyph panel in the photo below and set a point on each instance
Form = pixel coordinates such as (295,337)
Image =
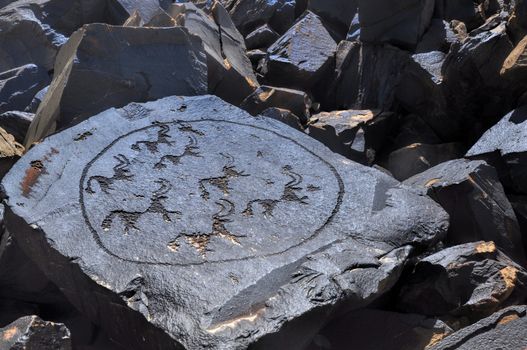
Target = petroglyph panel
(204,191)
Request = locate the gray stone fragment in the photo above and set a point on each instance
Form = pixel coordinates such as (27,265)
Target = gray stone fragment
(475,200)
(31,332)
(401,23)
(301,57)
(283,115)
(336,14)
(248,15)
(37,99)
(191,224)
(103,66)
(439,37)
(506,329)
(472,280)
(10,151)
(16,123)
(121,10)
(19,85)
(504,146)
(265,97)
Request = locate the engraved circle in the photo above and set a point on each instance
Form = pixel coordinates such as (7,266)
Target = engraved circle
(206,191)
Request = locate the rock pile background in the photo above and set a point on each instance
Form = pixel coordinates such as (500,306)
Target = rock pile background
(429,96)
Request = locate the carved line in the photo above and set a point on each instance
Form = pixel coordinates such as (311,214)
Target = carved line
(99,242)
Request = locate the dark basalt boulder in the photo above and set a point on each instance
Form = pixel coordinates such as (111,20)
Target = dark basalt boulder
(356,134)
(230,73)
(301,57)
(472,280)
(283,115)
(506,329)
(31,332)
(338,14)
(187,223)
(248,15)
(19,85)
(475,200)
(504,146)
(121,10)
(419,157)
(103,66)
(266,97)
(370,329)
(401,23)
(261,37)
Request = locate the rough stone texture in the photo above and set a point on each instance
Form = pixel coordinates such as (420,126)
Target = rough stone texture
(401,23)
(300,58)
(475,200)
(10,151)
(504,146)
(161,250)
(380,330)
(356,134)
(506,329)
(121,10)
(265,97)
(37,99)
(418,157)
(472,280)
(18,86)
(31,332)
(102,66)
(230,73)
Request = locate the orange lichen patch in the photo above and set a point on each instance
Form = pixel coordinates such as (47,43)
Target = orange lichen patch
(486,247)
(8,146)
(436,338)
(432,182)
(509,275)
(227,64)
(413,145)
(251,82)
(9,333)
(32,174)
(508,319)
(173,246)
(517,54)
(200,243)
(264,96)
(363,117)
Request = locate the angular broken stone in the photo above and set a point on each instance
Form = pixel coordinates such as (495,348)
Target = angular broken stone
(103,66)
(472,280)
(16,123)
(190,223)
(336,14)
(504,146)
(401,23)
(474,198)
(506,329)
(356,134)
(301,57)
(18,87)
(284,116)
(230,73)
(261,37)
(121,10)
(265,97)
(370,329)
(31,332)
(419,157)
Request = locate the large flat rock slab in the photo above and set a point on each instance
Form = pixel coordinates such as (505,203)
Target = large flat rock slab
(187,223)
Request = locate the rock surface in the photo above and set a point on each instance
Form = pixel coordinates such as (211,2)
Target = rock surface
(472,280)
(194,259)
(31,332)
(506,329)
(475,200)
(505,147)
